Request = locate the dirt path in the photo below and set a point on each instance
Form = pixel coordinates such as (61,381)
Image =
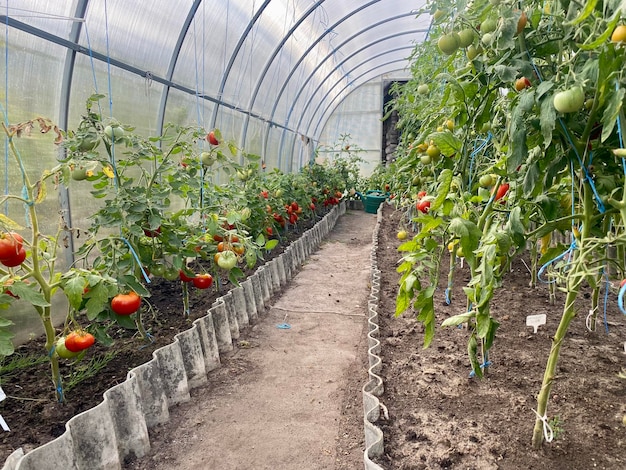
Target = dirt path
(286,398)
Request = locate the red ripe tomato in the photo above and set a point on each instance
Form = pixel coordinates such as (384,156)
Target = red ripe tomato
(126,304)
(183,276)
(421,195)
(522,83)
(621,284)
(423,206)
(203,281)
(269,231)
(78,341)
(152,233)
(10,245)
(211,139)
(502,190)
(15,260)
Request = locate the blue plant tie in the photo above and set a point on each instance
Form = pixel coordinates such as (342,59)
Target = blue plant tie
(571,248)
(134,253)
(448,299)
(283,326)
(482,366)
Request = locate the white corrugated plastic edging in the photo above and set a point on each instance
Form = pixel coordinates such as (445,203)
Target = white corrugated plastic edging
(103,437)
(374,442)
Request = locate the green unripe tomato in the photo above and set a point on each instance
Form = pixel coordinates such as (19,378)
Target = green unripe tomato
(466,37)
(569,101)
(448,43)
(114,133)
(488,26)
(423,89)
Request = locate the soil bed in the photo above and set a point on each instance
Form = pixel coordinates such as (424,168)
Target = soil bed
(31,409)
(440,418)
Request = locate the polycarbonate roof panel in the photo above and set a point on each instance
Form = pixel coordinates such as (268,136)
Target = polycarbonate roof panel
(52,16)
(209,44)
(129,31)
(270,60)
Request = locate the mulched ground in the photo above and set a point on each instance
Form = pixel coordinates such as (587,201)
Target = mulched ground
(440,418)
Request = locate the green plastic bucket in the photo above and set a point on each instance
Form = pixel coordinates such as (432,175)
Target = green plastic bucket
(372,200)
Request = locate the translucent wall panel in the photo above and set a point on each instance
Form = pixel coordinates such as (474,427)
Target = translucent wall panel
(273,157)
(133,32)
(254,139)
(184,109)
(52,16)
(134,99)
(229,122)
(209,44)
(33,75)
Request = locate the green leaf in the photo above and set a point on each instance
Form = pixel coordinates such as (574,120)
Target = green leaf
(28,293)
(515,227)
(611,112)
(132,283)
(126,321)
(447,142)
(458,319)
(505,73)
(98,300)
(603,37)
(469,235)
(271,244)
(472,347)
(260,240)
(491,333)
(9,224)
(547,120)
(74,289)
(403,301)
(445,179)
(531,178)
(6,343)
(425,305)
(590,6)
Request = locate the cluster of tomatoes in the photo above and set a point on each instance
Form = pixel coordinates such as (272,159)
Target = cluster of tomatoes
(423,203)
(293,211)
(332,199)
(12,252)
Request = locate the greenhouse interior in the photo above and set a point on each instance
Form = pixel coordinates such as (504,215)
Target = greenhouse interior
(382,231)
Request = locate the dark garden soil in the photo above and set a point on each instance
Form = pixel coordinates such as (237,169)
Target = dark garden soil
(440,418)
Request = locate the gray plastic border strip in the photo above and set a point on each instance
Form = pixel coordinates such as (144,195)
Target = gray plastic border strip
(103,437)
(374,443)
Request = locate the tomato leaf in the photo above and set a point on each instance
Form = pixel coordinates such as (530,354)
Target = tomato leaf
(9,224)
(469,235)
(132,283)
(270,244)
(603,37)
(590,6)
(447,142)
(515,227)
(424,303)
(519,149)
(445,179)
(97,302)
(531,178)
(6,343)
(403,300)
(458,319)
(547,119)
(74,288)
(611,111)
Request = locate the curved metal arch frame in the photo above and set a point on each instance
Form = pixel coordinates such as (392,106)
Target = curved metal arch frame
(343,61)
(319,65)
(330,110)
(297,64)
(233,57)
(268,63)
(366,81)
(173,60)
(316,138)
(63,120)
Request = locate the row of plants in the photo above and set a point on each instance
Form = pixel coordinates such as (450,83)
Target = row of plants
(187,206)
(517,139)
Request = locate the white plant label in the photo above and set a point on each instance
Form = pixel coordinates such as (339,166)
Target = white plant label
(536,321)
(3,423)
